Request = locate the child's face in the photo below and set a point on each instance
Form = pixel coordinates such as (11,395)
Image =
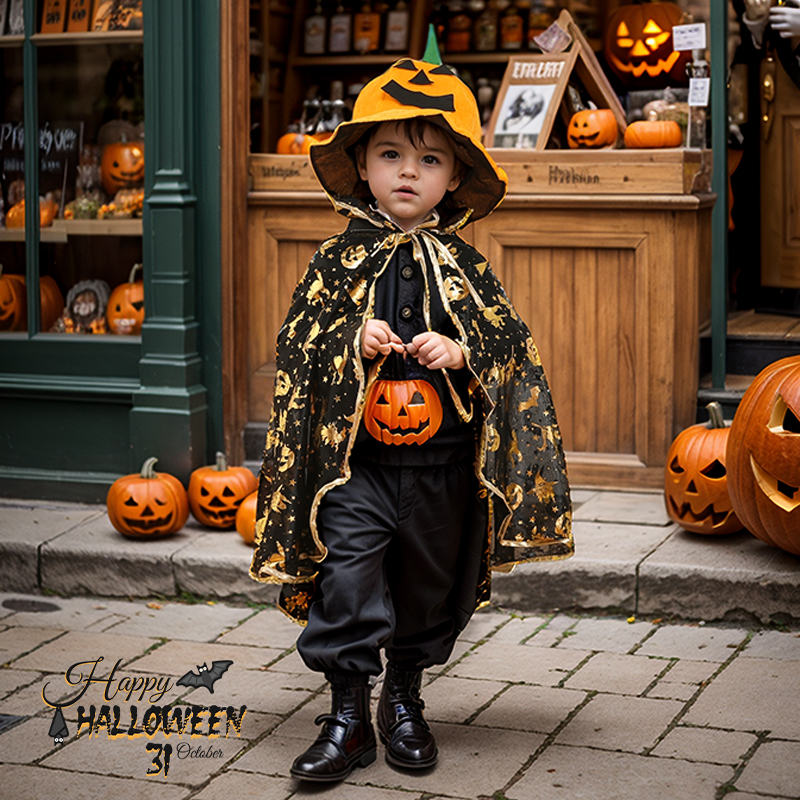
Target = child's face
(408,181)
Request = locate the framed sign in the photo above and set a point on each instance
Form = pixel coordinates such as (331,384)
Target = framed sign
(529,99)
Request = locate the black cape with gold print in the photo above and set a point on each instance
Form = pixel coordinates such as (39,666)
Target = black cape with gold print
(320,390)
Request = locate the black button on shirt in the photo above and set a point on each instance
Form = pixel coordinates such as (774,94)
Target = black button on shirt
(407,272)
(406,312)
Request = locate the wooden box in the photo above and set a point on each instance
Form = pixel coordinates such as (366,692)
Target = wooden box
(549,172)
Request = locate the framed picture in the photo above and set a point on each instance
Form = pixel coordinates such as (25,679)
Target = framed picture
(80,16)
(3,16)
(53,16)
(528,100)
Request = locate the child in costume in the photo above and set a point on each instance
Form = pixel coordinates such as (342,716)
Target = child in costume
(386,499)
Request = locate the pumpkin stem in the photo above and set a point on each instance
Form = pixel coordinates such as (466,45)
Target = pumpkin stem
(715,415)
(147,468)
(222,462)
(133,272)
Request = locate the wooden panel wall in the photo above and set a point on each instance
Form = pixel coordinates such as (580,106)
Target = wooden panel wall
(614,296)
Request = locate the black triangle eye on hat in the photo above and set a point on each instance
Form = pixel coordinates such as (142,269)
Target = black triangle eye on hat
(412,89)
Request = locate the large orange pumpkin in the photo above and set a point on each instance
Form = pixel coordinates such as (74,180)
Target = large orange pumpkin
(696,478)
(217,491)
(246,518)
(764,456)
(147,504)
(125,309)
(592,127)
(13,302)
(122,166)
(638,46)
(653,133)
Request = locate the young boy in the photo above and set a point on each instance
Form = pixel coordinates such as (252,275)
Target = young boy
(383,504)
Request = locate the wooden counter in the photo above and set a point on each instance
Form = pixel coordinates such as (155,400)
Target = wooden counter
(614,287)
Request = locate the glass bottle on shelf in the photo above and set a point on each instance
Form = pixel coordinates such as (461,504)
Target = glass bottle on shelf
(459,28)
(397,21)
(485,34)
(315,32)
(512,28)
(542,15)
(341,30)
(366,30)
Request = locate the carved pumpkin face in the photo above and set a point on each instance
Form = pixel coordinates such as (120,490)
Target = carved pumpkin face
(147,505)
(416,89)
(403,412)
(122,166)
(764,456)
(13,302)
(125,310)
(696,480)
(216,492)
(638,46)
(592,128)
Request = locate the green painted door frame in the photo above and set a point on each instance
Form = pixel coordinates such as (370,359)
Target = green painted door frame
(88,409)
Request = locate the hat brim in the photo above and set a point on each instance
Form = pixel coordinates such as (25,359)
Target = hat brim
(481,189)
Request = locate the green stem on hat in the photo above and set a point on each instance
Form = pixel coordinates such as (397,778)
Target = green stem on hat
(431,54)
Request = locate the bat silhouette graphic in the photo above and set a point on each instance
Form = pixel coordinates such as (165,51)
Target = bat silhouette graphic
(206,677)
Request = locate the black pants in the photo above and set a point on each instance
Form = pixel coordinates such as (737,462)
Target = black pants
(405,546)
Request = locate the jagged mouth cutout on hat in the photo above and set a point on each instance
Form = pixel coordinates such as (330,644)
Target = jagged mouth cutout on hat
(420,99)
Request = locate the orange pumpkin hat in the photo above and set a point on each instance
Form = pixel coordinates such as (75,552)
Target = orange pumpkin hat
(407,90)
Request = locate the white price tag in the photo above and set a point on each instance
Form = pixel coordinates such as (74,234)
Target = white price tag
(699,89)
(689,37)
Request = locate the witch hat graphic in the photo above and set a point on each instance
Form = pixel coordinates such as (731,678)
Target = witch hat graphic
(58,728)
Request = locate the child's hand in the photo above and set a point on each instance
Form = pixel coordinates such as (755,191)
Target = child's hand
(378,337)
(785,20)
(435,351)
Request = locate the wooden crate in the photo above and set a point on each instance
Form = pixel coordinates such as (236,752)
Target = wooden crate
(550,172)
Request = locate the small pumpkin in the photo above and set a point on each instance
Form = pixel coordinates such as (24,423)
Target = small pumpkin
(148,504)
(125,310)
(653,133)
(402,410)
(217,491)
(639,49)
(246,518)
(696,478)
(122,166)
(295,144)
(592,127)
(764,456)
(51,302)
(47,213)
(13,302)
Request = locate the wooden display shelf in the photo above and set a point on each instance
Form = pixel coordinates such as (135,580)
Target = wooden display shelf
(672,171)
(62,229)
(12,40)
(92,37)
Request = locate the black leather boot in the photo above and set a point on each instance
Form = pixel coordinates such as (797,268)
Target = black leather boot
(347,738)
(402,728)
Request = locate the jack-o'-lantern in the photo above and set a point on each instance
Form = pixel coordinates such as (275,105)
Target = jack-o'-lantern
(653,133)
(147,504)
(638,46)
(402,410)
(122,166)
(764,456)
(125,309)
(415,89)
(13,302)
(592,127)
(217,491)
(696,478)
(246,518)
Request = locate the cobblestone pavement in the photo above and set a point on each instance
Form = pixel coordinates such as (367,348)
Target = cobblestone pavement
(551,707)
